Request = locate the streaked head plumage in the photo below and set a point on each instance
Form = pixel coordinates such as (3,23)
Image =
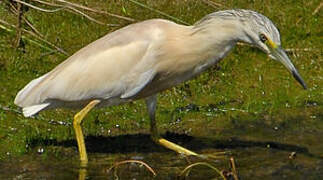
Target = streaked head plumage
(256,26)
(255,29)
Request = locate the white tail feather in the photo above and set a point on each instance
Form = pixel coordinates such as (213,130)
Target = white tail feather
(22,94)
(31,110)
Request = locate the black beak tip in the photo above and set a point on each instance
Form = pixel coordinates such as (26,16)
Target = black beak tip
(304,86)
(299,79)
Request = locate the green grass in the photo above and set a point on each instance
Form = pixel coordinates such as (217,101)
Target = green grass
(246,80)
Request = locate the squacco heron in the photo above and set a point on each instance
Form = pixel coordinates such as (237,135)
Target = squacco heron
(143,59)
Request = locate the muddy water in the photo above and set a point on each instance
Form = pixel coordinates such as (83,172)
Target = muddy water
(291,149)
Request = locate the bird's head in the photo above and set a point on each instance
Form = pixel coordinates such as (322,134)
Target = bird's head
(262,33)
(255,29)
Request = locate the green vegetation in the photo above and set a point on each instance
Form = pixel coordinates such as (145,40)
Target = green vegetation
(246,95)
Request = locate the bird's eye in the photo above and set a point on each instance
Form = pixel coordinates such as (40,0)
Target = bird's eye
(263,38)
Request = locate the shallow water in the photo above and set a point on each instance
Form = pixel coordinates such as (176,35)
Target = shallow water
(291,150)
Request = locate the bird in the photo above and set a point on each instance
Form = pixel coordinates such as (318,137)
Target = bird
(143,59)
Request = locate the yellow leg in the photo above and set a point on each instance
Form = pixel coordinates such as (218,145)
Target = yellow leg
(78,130)
(151,105)
(176,147)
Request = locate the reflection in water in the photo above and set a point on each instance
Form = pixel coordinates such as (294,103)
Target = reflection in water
(82,173)
(256,156)
(252,161)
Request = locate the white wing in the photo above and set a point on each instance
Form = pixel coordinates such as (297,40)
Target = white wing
(144,79)
(119,64)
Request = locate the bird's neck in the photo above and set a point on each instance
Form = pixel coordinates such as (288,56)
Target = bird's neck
(196,48)
(214,41)
(220,31)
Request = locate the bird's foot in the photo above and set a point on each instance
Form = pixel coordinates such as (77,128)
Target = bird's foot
(181,150)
